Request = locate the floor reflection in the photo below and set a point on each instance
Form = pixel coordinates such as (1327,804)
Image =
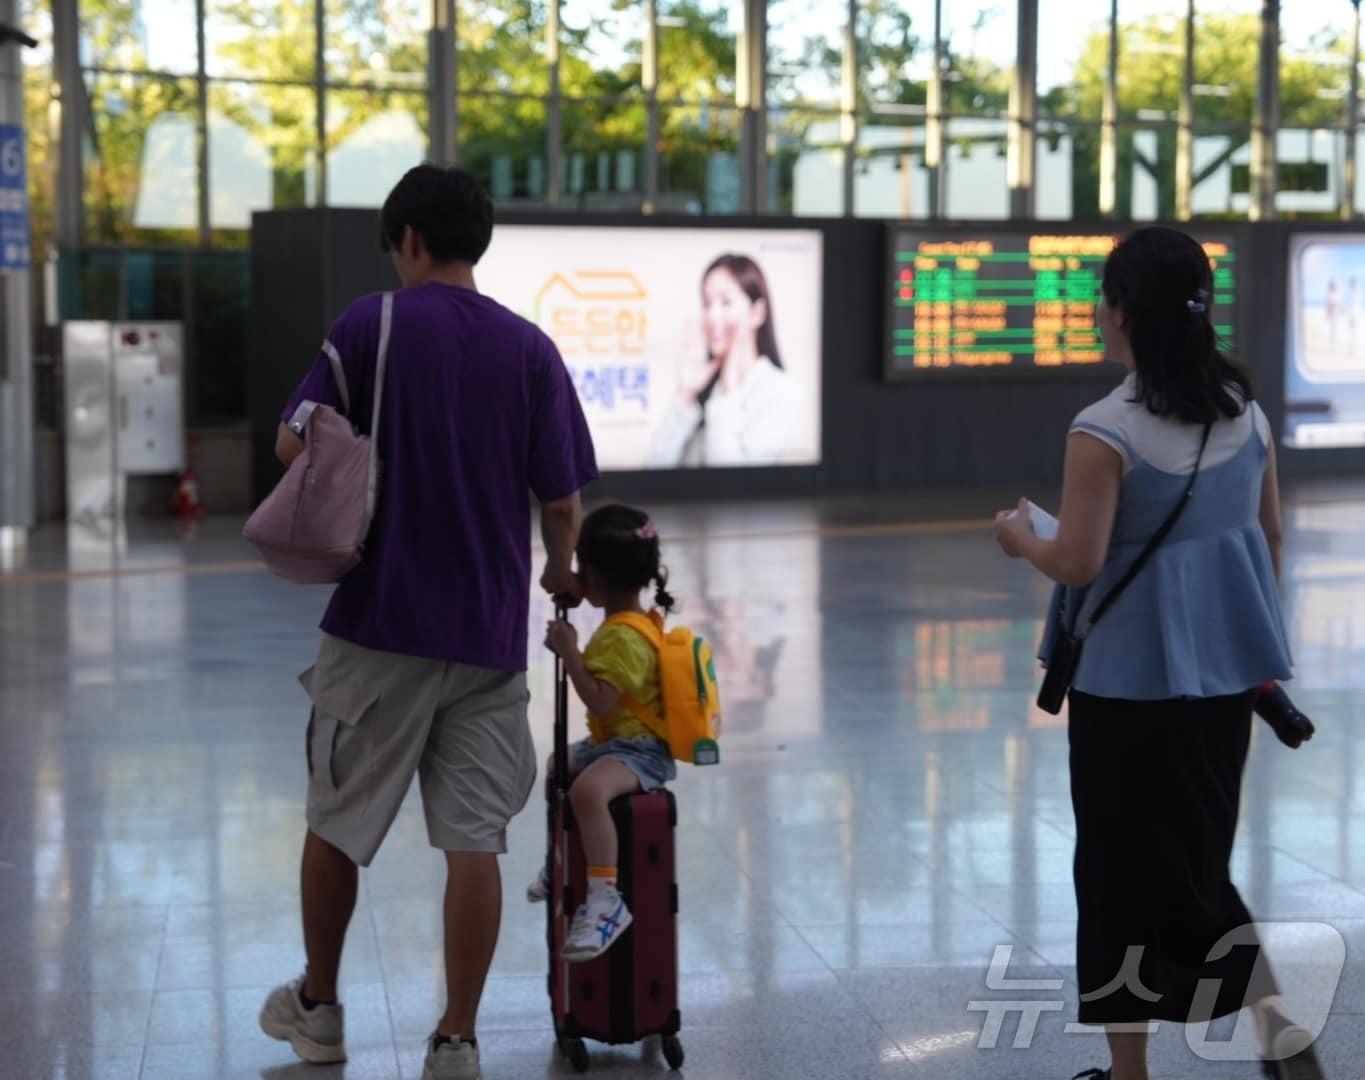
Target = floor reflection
(891,808)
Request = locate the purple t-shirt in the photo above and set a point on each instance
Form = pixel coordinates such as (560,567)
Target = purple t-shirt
(479,413)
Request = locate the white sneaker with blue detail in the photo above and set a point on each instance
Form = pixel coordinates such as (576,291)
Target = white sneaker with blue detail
(597,925)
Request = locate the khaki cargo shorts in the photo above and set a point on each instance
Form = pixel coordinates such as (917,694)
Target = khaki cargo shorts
(380,718)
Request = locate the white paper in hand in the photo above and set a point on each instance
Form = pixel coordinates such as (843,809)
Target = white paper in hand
(1044,524)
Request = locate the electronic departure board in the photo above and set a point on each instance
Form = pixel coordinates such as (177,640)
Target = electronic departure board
(1022,301)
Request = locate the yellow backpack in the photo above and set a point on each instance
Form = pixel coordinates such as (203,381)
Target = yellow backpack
(690,723)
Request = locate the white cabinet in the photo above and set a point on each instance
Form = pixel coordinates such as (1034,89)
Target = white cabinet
(147,395)
(124,409)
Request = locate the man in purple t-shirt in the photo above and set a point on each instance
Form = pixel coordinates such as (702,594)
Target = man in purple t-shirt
(422,669)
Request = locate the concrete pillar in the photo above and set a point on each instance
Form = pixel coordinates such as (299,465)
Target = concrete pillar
(1184,142)
(1109,122)
(1352,164)
(1022,148)
(16,333)
(320,96)
(1266,122)
(935,121)
(649,77)
(848,107)
(202,135)
(751,96)
(443,141)
(554,108)
(66,64)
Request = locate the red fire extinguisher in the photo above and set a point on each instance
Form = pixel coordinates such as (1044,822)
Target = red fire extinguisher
(186,503)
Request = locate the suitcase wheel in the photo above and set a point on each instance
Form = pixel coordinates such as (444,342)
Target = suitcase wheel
(673,1052)
(576,1052)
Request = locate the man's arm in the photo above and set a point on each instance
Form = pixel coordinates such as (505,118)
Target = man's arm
(288,446)
(560,521)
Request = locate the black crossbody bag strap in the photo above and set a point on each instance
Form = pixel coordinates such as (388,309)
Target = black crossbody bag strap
(1155,542)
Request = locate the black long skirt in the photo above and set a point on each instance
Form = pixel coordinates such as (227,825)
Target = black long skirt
(1156,787)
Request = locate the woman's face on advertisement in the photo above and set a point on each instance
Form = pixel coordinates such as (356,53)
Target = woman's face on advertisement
(727,312)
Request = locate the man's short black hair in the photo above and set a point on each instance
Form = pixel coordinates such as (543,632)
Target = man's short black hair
(447,207)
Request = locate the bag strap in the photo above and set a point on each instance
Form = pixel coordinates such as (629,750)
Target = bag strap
(648,717)
(649,628)
(1155,542)
(300,417)
(644,625)
(381,366)
(339,375)
(298,423)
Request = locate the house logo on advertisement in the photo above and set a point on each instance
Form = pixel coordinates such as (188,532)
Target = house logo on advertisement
(599,320)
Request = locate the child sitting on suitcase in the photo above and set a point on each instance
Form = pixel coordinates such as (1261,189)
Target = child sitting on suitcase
(617,678)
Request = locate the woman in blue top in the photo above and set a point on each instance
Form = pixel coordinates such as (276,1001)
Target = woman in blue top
(1161,703)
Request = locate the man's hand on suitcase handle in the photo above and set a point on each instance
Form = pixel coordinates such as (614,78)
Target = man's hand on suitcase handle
(563,585)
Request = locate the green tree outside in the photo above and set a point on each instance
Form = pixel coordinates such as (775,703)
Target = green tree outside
(503,79)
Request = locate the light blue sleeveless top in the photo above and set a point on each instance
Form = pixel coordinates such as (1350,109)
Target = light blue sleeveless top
(1203,618)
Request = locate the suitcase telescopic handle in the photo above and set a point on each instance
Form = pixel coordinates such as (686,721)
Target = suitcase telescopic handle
(561,708)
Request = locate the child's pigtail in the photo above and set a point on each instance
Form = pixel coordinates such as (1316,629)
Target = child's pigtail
(663,599)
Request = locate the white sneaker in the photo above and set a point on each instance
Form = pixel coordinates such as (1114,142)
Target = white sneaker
(539,890)
(317,1035)
(597,926)
(451,1059)
(1290,1055)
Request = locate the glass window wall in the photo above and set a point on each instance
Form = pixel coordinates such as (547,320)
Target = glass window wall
(281,103)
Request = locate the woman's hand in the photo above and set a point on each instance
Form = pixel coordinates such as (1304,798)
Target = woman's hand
(561,638)
(697,369)
(1014,529)
(696,377)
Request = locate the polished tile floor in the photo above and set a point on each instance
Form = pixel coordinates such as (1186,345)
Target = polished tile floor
(890,812)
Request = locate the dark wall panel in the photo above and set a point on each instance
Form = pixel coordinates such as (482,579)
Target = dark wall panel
(973,432)
(286,320)
(354,264)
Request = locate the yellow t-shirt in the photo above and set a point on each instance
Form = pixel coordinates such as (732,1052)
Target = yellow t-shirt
(623,658)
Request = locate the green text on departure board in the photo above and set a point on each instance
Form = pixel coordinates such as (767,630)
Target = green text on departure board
(1011,300)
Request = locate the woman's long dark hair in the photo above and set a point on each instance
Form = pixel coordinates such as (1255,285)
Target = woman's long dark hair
(750,277)
(1162,282)
(621,545)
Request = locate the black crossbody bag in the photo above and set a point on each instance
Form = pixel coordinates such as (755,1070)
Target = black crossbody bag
(1067,646)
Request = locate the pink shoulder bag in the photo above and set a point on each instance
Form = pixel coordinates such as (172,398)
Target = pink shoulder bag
(311,529)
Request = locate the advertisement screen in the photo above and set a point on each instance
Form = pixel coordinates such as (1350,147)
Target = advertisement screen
(1324,391)
(689,347)
(1018,301)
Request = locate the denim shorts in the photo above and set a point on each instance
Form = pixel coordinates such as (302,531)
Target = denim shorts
(644,755)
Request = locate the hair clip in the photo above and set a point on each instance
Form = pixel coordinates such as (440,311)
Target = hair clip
(647,531)
(1198,306)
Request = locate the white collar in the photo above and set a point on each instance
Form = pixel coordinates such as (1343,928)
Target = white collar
(763,369)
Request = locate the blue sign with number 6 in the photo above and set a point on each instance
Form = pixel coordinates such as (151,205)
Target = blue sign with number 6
(14,232)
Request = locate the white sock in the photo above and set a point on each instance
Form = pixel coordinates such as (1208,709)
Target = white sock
(601,889)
